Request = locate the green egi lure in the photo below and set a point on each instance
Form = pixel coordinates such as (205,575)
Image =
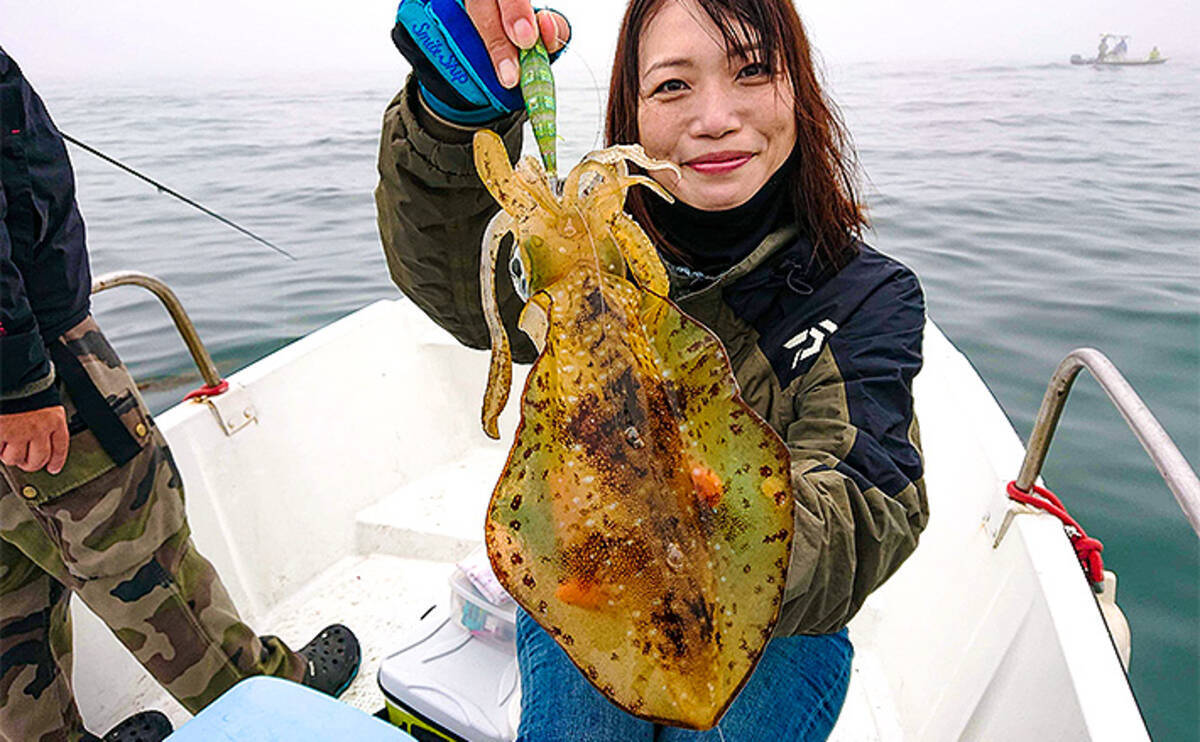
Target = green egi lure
(537,85)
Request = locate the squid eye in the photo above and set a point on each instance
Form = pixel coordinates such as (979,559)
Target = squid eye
(520,282)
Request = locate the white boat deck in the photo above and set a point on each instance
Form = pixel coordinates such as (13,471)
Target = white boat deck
(364,476)
(382,591)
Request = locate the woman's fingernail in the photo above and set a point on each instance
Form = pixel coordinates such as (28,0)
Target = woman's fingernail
(524,34)
(508,73)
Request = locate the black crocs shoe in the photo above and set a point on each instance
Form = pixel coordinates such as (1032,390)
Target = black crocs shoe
(333,658)
(144,726)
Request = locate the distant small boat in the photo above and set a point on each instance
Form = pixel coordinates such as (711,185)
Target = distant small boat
(1076,59)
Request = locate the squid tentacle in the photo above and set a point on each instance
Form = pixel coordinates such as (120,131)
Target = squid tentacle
(571,185)
(498,176)
(537,183)
(622,154)
(639,253)
(499,380)
(631,180)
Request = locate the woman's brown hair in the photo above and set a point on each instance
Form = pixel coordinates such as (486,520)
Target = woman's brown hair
(824,187)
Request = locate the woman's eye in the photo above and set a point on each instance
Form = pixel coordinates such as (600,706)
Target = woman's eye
(670,86)
(754,69)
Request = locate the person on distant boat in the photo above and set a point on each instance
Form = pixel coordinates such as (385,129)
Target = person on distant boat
(1119,50)
(1155,54)
(1103,50)
(91,502)
(762,246)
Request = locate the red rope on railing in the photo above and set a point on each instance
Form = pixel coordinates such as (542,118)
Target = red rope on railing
(1087,549)
(207,391)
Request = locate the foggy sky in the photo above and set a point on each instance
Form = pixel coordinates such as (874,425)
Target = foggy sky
(133,39)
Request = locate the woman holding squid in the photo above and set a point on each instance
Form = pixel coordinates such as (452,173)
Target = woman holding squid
(762,245)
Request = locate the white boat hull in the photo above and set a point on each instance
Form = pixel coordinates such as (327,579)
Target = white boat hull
(1094,62)
(364,475)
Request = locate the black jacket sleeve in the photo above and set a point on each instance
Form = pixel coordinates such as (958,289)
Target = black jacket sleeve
(45,280)
(26,374)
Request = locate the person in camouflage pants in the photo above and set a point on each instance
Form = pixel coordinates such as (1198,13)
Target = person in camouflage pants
(117,537)
(91,502)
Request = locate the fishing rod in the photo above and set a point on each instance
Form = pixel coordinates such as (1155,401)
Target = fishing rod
(163,189)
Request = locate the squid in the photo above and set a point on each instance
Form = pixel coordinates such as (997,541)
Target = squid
(644,513)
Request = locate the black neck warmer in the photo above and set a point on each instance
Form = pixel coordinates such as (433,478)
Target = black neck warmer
(715,241)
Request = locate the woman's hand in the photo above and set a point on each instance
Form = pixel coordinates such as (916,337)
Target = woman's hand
(508,25)
(465,52)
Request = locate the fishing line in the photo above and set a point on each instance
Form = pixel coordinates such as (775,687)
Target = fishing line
(163,189)
(599,102)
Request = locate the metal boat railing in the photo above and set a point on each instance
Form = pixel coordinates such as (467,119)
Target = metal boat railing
(1171,464)
(183,323)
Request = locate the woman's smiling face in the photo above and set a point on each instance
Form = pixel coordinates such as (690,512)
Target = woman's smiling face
(728,121)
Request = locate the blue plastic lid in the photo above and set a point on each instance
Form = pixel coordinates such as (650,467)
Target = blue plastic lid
(265,709)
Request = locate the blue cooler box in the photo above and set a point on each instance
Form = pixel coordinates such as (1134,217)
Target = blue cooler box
(264,709)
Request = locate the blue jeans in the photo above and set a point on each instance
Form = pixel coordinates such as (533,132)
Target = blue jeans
(795,694)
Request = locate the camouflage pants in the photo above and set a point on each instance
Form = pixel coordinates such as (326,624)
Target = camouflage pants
(117,536)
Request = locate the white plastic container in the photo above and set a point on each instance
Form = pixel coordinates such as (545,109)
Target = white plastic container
(447,684)
(478,615)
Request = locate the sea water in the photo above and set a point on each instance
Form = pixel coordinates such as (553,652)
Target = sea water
(1045,207)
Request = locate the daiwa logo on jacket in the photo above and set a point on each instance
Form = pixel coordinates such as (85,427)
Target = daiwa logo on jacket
(815,338)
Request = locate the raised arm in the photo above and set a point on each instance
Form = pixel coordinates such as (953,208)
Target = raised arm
(432,208)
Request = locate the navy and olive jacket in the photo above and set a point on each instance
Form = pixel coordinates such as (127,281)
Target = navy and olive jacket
(829,364)
(45,282)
